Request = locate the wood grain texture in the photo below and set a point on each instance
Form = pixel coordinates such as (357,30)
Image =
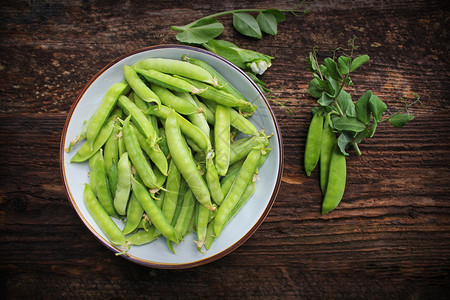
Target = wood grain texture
(388,239)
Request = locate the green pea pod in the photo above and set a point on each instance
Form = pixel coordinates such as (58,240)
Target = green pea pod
(167,81)
(142,237)
(102,189)
(239,150)
(201,225)
(241,123)
(186,214)
(139,86)
(122,194)
(104,109)
(139,118)
(213,181)
(154,212)
(328,144)
(336,181)
(101,218)
(142,166)
(134,214)
(313,143)
(222,139)
(185,162)
(154,153)
(169,99)
(210,236)
(243,178)
(176,67)
(187,128)
(87,151)
(173,188)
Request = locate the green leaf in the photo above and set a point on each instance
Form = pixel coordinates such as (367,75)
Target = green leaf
(325,100)
(344,64)
(278,14)
(345,102)
(362,108)
(199,32)
(312,63)
(332,69)
(343,141)
(373,128)
(350,124)
(267,23)
(400,120)
(361,135)
(247,25)
(358,62)
(314,88)
(377,107)
(327,87)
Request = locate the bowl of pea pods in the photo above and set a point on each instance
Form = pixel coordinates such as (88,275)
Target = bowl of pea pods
(171,156)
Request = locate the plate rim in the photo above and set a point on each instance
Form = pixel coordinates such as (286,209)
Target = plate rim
(145,262)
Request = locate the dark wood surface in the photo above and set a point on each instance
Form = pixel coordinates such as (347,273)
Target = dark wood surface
(389,238)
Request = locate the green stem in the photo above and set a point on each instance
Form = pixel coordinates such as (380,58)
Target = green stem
(337,95)
(403,109)
(358,151)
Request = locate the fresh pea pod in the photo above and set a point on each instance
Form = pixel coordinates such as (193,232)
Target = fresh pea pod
(241,149)
(186,214)
(187,128)
(220,97)
(171,100)
(222,139)
(328,144)
(167,81)
(213,181)
(198,118)
(137,157)
(139,118)
(155,154)
(134,214)
(201,225)
(185,161)
(176,67)
(241,123)
(101,218)
(154,212)
(243,178)
(173,188)
(139,86)
(123,184)
(142,237)
(313,143)
(86,151)
(102,189)
(104,109)
(336,181)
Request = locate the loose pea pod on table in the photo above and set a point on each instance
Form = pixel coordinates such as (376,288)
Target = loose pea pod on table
(160,153)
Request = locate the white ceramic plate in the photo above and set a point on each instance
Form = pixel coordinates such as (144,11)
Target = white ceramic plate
(242,226)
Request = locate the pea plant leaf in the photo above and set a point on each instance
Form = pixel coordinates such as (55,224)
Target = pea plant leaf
(345,102)
(267,23)
(343,141)
(377,107)
(349,124)
(344,64)
(362,108)
(358,62)
(332,69)
(400,120)
(200,31)
(278,14)
(247,25)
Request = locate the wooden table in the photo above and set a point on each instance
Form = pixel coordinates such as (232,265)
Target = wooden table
(390,236)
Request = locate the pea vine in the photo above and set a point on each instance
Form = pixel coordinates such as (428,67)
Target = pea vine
(352,121)
(204,32)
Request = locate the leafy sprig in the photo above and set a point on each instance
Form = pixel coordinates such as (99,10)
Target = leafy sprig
(351,121)
(203,30)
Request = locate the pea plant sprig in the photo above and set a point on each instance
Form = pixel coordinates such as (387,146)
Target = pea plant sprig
(205,30)
(338,122)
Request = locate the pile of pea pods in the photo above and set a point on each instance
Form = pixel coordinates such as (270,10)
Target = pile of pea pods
(164,157)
